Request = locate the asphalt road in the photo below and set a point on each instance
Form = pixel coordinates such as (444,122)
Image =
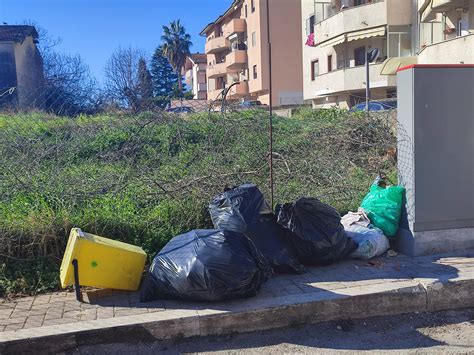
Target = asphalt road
(426,333)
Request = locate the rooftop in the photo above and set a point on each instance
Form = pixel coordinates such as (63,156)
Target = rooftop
(234,4)
(13,33)
(198,58)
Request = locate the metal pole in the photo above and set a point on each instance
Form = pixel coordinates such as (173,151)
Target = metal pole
(77,286)
(367,82)
(271,104)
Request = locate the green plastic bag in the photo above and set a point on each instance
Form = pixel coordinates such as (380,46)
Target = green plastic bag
(383,206)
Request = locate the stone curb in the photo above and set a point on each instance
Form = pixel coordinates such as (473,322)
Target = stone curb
(419,295)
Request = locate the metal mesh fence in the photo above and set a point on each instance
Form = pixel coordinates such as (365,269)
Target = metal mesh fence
(145,177)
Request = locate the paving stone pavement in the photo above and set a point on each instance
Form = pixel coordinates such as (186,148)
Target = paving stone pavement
(61,308)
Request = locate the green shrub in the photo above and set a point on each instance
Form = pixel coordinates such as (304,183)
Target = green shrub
(144,179)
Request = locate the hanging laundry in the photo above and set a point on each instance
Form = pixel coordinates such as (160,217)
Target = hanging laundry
(310,41)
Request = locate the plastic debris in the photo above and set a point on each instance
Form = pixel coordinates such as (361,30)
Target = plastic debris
(236,208)
(384,205)
(392,253)
(371,241)
(273,241)
(206,265)
(317,232)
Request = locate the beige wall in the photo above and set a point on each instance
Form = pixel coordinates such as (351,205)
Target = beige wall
(25,72)
(287,45)
(286,48)
(335,88)
(30,79)
(255,53)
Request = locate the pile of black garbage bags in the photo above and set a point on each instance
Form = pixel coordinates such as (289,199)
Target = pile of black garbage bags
(249,243)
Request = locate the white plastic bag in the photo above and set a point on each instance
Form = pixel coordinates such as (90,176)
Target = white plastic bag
(372,242)
(355,218)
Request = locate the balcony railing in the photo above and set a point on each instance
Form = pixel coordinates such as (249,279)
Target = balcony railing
(237,25)
(239,90)
(214,94)
(363,17)
(236,59)
(217,70)
(350,79)
(456,50)
(216,45)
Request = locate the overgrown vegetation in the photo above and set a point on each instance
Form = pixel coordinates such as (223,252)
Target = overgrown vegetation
(143,179)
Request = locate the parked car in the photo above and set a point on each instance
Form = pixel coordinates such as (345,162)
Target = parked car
(250,104)
(379,105)
(180,109)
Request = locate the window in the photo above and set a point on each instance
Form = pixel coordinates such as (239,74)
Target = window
(462,28)
(221,84)
(254,39)
(399,41)
(310,22)
(252,6)
(246,11)
(329,63)
(322,10)
(359,2)
(359,56)
(255,75)
(314,69)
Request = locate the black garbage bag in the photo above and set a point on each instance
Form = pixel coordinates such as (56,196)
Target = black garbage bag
(272,240)
(317,232)
(238,207)
(206,265)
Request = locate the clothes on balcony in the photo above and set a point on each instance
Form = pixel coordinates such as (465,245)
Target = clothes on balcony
(310,41)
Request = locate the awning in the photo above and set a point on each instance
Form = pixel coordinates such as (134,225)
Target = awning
(391,65)
(368,33)
(430,8)
(423,5)
(334,41)
(446,5)
(428,15)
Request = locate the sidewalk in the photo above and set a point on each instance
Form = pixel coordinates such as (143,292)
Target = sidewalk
(351,289)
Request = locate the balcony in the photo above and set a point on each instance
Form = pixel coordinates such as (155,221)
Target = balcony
(432,7)
(236,59)
(217,70)
(214,94)
(456,50)
(216,45)
(202,87)
(364,18)
(239,90)
(237,25)
(349,79)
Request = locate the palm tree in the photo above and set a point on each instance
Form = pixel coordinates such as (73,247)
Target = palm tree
(176,45)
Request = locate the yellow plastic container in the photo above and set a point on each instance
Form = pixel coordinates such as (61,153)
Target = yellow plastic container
(102,262)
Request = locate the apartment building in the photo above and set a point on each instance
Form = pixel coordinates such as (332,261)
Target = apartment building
(195,75)
(338,35)
(446,31)
(237,52)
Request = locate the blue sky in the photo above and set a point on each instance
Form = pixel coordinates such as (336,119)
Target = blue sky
(95,28)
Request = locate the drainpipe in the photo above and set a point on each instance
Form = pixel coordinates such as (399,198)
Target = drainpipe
(367,81)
